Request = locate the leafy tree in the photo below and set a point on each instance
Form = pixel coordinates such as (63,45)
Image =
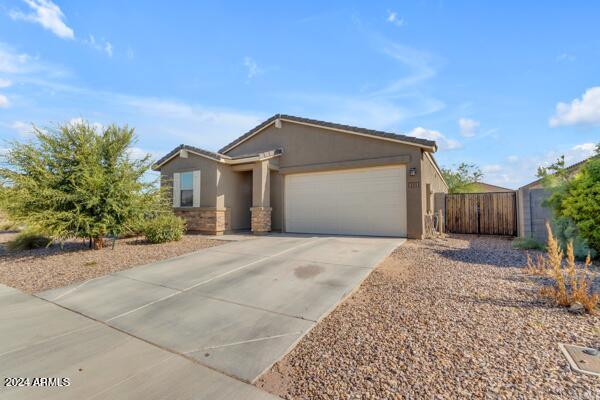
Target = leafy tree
(581,202)
(575,203)
(76,181)
(463,178)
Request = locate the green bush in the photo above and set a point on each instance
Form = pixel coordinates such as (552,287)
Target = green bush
(28,240)
(527,243)
(164,228)
(581,202)
(567,231)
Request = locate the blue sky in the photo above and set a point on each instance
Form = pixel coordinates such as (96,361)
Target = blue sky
(508,86)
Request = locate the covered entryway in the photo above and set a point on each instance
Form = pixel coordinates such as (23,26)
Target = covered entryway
(369,201)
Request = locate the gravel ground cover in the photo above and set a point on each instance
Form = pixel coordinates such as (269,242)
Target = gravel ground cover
(441,319)
(48,268)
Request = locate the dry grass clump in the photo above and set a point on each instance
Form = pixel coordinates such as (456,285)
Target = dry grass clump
(571,284)
(538,267)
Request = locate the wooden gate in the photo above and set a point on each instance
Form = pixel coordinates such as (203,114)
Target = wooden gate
(482,213)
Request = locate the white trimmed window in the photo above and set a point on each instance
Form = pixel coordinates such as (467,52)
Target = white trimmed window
(186,189)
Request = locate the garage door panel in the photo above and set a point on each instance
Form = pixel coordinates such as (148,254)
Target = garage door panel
(360,202)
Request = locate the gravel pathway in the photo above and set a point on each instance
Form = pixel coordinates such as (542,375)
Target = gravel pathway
(41,269)
(441,319)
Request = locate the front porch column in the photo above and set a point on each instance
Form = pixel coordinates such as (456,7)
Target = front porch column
(261,193)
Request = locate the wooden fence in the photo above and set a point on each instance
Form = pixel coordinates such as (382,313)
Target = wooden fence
(482,213)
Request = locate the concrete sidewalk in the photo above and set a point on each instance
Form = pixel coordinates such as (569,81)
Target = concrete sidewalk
(42,340)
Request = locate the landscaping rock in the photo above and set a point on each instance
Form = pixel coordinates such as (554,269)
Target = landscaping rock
(577,308)
(441,319)
(47,268)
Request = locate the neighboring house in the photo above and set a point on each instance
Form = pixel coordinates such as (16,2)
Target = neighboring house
(294,174)
(482,187)
(532,215)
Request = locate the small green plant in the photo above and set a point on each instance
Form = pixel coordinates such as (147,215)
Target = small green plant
(28,240)
(164,228)
(527,243)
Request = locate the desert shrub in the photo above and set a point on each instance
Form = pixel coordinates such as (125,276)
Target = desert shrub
(77,181)
(581,202)
(565,231)
(527,243)
(28,240)
(164,228)
(575,203)
(571,284)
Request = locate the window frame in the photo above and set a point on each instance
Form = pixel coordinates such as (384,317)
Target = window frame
(182,189)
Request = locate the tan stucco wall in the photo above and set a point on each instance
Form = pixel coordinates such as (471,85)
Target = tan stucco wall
(234,192)
(221,187)
(309,147)
(431,176)
(276,201)
(208,175)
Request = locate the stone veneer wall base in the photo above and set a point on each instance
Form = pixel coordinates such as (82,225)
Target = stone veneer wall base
(260,220)
(210,221)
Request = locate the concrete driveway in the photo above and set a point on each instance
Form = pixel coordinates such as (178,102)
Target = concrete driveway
(235,308)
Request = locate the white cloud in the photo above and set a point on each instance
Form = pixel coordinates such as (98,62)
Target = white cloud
(14,63)
(491,168)
(253,68)
(78,120)
(209,128)
(442,141)
(4,101)
(102,45)
(393,18)
(11,62)
(108,49)
(566,57)
(584,111)
(48,15)
(22,128)
(419,65)
(4,83)
(586,148)
(382,107)
(520,171)
(468,127)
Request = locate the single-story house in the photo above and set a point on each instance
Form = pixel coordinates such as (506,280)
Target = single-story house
(482,187)
(300,175)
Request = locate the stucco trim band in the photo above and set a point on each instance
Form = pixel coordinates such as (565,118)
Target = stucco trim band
(350,164)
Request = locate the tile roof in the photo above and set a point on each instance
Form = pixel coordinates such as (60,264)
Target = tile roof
(218,157)
(209,154)
(364,131)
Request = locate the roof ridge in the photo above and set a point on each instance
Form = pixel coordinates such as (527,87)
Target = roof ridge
(367,131)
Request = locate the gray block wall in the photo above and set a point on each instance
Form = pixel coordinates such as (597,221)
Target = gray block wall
(532,215)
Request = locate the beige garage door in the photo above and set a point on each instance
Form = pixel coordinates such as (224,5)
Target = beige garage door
(370,201)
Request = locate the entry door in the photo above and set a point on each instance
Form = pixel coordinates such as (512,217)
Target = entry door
(370,201)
